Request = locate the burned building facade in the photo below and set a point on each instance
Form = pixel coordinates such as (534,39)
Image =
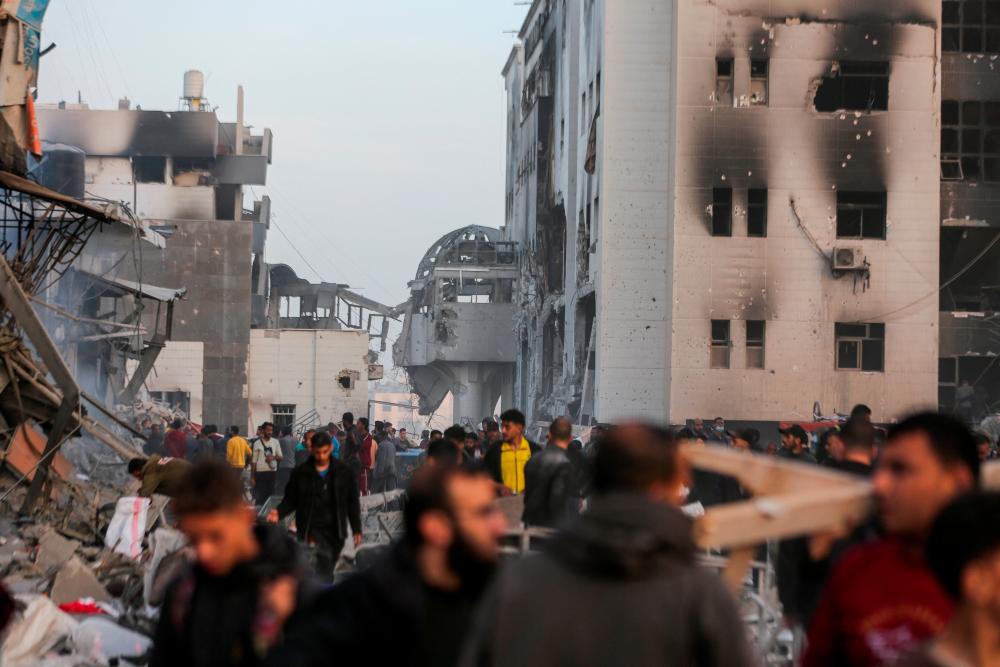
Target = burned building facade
(725,207)
(184,175)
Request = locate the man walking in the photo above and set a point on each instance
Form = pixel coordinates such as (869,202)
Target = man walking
(266,455)
(621,584)
(287,462)
(550,493)
(228,608)
(414,605)
(238,450)
(366,454)
(505,460)
(384,473)
(881,599)
(175,441)
(323,495)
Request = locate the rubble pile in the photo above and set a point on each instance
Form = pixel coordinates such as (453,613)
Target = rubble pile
(86,572)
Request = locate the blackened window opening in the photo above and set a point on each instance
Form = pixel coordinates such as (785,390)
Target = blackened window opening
(721,343)
(855,86)
(150,169)
(722,212)
(861,215)
(758,82)
(757,212)
(755,343)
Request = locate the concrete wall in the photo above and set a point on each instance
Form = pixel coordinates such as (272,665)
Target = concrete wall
(463,332)
(111,177)
(301,367)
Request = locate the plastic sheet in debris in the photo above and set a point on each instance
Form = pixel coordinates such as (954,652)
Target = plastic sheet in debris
(37,631)
(101,640)
(128,526)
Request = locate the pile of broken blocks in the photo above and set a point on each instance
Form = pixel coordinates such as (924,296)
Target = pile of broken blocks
(83,596)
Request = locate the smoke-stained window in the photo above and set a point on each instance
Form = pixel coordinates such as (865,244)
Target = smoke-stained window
(970,140)
(970,26)
(861,215)
(755,343)
(722,212)
(724,81)
(758,83)
(757,212)
(854,86)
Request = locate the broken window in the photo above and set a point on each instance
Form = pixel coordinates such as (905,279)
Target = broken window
(970,140)
(757,212)
(722,211)
(346,379)
(970,26)
(854,86)
(724,81)
(720,344)
(861,215)
(283,415)
(860,347)
(290,306)
(758,82)
(583,249)
(755,343)
(149,169)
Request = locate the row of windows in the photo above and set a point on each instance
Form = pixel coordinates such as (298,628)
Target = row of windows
(851,86)
(859,347)
(860,215)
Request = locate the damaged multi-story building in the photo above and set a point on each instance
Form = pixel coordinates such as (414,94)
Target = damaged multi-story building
(184,173)
(731,207)
(249,341)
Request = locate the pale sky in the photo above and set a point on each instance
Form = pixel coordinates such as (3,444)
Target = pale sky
(388,116)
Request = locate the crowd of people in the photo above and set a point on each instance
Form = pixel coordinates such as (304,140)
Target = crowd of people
(618,581)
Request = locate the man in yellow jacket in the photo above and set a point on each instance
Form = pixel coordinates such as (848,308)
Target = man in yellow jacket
(505,460)
(238,450)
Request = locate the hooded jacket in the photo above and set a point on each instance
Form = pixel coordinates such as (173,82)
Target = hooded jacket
(620,585)
(550,492)
(213,621)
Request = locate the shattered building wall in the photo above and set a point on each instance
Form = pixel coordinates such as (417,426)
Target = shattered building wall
(751,202)
(307,377)
(184,173)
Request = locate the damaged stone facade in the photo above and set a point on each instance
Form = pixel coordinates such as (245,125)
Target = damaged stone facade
(742,200)
(184,174)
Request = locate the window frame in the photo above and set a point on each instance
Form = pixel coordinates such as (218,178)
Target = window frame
(851,74)
(867,209)
(760,79)
(724,90)
(720,347)
(964,33)
(277,416)
(862,336)
(964,122)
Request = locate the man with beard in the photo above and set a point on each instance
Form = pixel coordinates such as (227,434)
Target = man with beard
(422,593)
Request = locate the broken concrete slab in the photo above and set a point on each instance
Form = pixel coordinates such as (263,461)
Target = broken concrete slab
(74,581)
(54,550)
(103,640)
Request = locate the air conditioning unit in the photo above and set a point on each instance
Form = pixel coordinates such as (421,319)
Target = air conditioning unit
(848,259)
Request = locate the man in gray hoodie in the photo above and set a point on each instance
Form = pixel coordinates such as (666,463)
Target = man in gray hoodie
(621,584)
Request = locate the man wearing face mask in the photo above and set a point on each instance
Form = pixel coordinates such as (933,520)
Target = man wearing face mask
(425,590)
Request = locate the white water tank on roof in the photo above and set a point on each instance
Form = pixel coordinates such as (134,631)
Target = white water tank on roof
(194,84)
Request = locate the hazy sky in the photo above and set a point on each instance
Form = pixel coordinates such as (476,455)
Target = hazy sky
(388,116)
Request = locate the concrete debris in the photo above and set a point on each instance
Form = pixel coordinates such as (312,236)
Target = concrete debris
(75,581)
(54,551)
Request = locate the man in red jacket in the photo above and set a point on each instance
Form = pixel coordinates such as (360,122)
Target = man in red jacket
(882,600)
(175,441)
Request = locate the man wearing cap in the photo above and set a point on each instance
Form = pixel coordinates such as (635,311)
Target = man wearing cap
(795,444)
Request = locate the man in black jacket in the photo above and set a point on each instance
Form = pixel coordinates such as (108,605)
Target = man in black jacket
(550,492)
(621,584)
(414,605)
(323,495)
(228,608)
